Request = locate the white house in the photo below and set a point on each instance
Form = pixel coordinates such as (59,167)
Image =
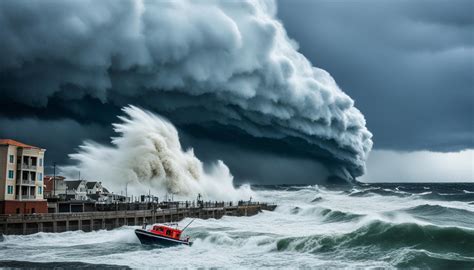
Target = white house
(76,189)
(94,187)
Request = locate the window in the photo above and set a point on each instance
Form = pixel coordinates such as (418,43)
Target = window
(12,158)
(41,162)
(168,232)
(40,190)
(40,176)
(10,174)
(10,189)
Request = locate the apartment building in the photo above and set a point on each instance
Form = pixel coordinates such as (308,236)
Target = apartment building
(21,178)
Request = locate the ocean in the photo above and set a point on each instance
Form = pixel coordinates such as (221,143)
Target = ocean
(361,226)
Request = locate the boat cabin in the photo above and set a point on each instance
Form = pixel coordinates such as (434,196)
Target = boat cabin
(166,231)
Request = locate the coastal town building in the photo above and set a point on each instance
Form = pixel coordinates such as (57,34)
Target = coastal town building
(94,187)
(21,178)
(54,187)
(76,190)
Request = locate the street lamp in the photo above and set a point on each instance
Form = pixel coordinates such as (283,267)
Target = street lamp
(126,192)
(54,179)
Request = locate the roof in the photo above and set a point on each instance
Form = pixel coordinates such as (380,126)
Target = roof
(90,185)
(50,177)
(104,190)
(73,184)
(16,143)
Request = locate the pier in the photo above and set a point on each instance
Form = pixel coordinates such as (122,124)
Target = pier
(107,220)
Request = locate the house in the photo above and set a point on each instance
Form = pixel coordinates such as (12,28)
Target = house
(21,178)
(76,190)
(97,192)
(94,187)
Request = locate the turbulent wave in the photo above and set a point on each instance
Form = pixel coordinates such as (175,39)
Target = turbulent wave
(445,192)
(147,155)
(444,215)
(377,191)
(387,237)
(327,215)
(338,216)
(448,196)
(338,231)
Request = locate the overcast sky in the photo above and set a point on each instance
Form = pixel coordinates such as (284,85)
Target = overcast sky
(408,65)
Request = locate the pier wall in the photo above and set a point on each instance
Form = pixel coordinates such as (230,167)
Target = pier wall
(107,220)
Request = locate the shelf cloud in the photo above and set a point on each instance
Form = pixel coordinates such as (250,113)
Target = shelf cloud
(212,67)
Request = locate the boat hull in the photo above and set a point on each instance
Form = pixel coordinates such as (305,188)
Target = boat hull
(149,238)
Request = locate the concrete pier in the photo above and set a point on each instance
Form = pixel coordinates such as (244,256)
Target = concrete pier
(99,220)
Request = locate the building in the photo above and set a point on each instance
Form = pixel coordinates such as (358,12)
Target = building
(76,190)
(21,178)
(94,187)
(53,189)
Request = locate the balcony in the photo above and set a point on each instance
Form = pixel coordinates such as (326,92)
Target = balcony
(26,167)
(25,182)
(25,197)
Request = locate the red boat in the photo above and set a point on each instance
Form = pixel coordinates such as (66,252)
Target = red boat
(162,235)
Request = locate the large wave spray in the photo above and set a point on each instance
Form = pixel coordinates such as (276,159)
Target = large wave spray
(148,155)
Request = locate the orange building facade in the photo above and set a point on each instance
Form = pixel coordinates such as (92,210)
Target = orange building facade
(21,178)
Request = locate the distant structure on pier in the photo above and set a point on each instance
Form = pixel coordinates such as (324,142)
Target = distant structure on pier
(21,178)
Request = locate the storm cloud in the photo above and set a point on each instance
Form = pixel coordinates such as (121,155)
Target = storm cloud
(409,65)
(221,70)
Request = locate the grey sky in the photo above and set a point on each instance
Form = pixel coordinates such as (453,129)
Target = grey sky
(409,65)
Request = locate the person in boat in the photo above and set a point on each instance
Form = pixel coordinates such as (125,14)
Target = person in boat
(144,225)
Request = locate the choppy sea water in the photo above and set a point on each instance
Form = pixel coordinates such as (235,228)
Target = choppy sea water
(388,226)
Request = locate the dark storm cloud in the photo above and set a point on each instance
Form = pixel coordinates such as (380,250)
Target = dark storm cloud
(58,137)
(223,67)
(257,164)
(409,65)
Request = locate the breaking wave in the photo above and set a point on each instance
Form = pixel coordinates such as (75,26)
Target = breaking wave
(147,154)
(383,237)
(326,214)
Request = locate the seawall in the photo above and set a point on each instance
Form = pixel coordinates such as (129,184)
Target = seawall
(100,220)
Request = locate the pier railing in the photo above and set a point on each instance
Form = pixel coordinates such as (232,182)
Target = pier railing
(119,206)
(96,220)
(152,209)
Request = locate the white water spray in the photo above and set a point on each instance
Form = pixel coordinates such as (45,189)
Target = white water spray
(148,155)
